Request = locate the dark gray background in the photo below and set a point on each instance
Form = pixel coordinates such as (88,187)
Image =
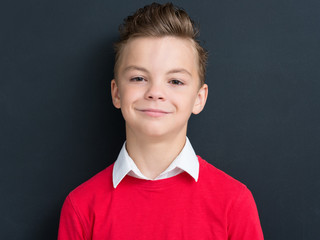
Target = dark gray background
(261,123)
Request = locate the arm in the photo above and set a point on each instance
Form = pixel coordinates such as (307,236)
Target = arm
(70,226)
(243,219)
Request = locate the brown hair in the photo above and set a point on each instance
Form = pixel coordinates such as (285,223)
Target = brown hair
(156,20)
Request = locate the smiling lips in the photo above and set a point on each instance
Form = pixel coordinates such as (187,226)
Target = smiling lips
(154,112)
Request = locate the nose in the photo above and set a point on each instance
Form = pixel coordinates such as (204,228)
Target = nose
(155,92)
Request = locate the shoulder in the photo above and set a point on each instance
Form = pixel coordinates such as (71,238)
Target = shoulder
(83,203)
(218,181)
(234,199)
(96,187)
(229,192)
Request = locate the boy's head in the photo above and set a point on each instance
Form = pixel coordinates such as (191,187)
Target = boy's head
(158,20)
(159,72)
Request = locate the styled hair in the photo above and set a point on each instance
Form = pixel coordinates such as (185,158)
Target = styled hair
(157,20)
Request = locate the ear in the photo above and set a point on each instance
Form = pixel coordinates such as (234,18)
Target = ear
(115,94)
(201,99)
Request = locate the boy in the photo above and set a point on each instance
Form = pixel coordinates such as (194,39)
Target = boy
(158,188)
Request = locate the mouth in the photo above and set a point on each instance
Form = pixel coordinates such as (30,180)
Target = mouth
(154,112)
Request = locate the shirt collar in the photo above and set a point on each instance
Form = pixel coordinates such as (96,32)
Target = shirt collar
(187,161)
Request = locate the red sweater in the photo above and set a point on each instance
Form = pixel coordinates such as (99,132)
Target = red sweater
(216,207)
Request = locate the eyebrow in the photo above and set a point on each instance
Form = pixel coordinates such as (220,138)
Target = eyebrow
(179,70)
(135,68)
(176,70)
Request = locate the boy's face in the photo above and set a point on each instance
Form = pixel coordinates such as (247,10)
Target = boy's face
(157,87)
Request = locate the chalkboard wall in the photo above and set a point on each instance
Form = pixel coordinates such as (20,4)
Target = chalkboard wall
(260,125)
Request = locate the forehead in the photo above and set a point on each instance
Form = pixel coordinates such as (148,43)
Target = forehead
(159,54)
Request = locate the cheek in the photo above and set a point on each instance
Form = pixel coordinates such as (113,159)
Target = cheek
(126,95)
(185,102)
(129,97)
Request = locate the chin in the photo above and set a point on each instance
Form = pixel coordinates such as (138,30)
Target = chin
(160,134)
(154,133)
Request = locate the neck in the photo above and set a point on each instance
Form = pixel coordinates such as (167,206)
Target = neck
(154,155)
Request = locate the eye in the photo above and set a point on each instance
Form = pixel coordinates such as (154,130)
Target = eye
(176,82)
(137,79)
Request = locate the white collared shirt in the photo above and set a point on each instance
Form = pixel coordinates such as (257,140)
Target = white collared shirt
(186,161)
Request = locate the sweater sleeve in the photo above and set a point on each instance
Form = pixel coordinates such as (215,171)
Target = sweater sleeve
(243,219)
(70,226)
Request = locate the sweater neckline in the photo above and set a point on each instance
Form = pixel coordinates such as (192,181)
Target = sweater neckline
(157,184)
